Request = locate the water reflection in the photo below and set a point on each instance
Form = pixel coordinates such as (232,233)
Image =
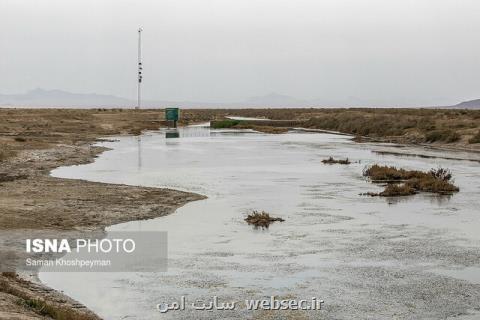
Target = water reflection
(187,132)
(139,153)
(435,199)
(172,134)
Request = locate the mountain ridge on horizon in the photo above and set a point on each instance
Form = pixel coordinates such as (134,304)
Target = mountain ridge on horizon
(56,98)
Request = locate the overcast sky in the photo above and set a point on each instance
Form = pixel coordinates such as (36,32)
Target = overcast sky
(386,52)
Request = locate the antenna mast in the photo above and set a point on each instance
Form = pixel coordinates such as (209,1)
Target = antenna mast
(140,67)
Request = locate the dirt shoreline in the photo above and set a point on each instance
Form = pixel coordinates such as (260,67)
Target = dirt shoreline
(68,204)
(34,200)
(33,142)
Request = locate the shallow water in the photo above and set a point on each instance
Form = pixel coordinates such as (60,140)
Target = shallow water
(329,228)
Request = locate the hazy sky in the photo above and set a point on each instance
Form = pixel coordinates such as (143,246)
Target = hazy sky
(391,52)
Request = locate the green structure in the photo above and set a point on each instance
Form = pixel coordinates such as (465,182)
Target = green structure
(172,114)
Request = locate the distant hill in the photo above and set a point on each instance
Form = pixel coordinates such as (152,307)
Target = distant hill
(59,98)
(64,99)
(472,104)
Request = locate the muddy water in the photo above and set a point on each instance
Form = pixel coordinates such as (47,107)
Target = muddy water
(409,258)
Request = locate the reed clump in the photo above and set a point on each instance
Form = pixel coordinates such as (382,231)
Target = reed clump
(401,182)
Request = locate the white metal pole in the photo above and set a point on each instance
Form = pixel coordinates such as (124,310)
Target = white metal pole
(140,68)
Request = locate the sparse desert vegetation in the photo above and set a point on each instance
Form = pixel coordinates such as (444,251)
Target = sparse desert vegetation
(447,136)
(261,219)
(225,123)
(48,305)
(6,152)
(434,126)
(475,138)
(238,124)
(39,128)
(401,182)
(27,129)
(331,160)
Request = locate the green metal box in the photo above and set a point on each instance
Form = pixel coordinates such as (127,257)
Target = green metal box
(172,114)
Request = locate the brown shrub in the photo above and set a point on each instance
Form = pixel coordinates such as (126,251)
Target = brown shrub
(385,173)
(331,160)
(431,184)
(397,190)
(436,180)
(475,138)
(135,131)
(447,136)
(261,219)
(6,153)
(441,174)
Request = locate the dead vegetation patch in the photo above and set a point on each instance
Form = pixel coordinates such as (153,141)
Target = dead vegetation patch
(331,160)
(447,136)
(7,177)
(261,219)
(401,182)
(6,152)
(397,190)
(475,138)
(44,302)
(379,173)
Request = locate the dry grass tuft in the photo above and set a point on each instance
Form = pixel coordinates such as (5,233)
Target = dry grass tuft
(403,182)
(261,219)
(226,123)
(6,153)
(397,190)
(448,136)
(379,173)
(50,308)
(433,185)
(331,160)
(135,131)
(475,138)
